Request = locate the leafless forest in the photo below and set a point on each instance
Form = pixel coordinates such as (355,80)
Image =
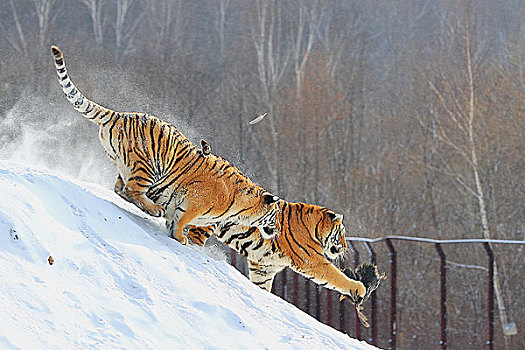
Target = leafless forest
(405,116)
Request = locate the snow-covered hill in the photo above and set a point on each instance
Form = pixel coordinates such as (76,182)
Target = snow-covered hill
(118,281)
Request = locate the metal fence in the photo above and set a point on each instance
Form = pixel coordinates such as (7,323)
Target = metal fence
(487,244)
(309,297)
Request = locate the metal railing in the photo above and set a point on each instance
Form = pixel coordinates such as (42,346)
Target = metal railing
(443,288)
(287,288)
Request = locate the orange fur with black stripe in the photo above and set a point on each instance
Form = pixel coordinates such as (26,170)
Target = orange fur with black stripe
(308,234)
(164,174)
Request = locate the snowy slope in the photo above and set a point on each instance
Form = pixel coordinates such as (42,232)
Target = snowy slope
(118,280)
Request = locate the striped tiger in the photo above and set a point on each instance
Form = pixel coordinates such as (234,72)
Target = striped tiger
(165,175)
(308,234)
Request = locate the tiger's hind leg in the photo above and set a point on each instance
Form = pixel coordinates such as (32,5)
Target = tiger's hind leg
(135,191)
(199,235)
(189,212)
(263,275)
(176,226)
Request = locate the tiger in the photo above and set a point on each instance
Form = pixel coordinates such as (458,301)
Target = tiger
(163,173)
(308,236)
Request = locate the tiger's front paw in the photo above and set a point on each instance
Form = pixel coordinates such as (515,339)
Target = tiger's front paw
(182,239)
(360,290)
(155,210)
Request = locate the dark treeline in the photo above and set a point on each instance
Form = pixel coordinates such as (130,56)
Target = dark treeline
(405,116)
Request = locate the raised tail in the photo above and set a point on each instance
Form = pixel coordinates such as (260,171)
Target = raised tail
(88,108)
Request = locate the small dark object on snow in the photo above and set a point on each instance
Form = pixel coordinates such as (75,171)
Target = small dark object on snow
(370,277)
(13,233)
(50,260)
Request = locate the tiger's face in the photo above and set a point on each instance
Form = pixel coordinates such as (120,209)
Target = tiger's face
(333,237)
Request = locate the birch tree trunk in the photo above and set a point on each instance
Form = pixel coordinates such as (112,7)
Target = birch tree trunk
(43,9)
(167,27)
(95,11)
(22,46)
(302,38)
(479,192)
(272,60)
(125,27)
(464,121)
(220,22)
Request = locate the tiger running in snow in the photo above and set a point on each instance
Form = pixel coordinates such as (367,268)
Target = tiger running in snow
(164,174)
(307,233)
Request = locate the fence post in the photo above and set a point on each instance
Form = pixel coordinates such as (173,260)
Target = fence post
(284,284)
(330,308)
(357,321)
(307,285)
(443,285)
(373,300)
(318,302)
(342,318)
(393,292)
(490,296)
(233,255)
(296,289)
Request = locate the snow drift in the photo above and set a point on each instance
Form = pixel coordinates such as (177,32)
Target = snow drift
(118,281)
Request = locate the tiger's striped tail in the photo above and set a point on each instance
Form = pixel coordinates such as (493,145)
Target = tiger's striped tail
(88,108)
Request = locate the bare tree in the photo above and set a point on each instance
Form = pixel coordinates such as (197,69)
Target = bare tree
(343,35)
(272,57)
(220,22)
(126,25)
(303,36)
(95,11)
(43,9)
(166,25)
(460,109)
(272,60)
(22,45)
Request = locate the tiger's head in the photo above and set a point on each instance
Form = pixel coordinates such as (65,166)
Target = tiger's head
(332,235)
(269,208)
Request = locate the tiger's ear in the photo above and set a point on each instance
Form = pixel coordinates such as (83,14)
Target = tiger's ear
(206,147)
(335,217)
(270,198)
